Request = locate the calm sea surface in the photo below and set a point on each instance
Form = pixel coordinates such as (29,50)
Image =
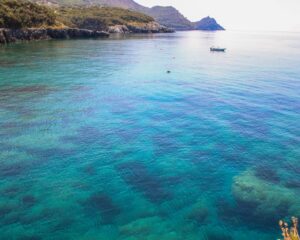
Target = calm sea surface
(99,142)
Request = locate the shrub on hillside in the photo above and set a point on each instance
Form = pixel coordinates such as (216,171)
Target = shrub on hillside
(20,14)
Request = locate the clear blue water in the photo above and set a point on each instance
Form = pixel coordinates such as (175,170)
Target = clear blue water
(99,142)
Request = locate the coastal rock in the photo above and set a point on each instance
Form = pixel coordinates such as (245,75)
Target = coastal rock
(14,35)
(151,27)
(2,37)
(118,29)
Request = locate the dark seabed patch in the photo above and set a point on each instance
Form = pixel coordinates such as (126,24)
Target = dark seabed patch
(13,169)
(249,212)
(137,175)
(6,209)
(48,153)
(86,135)
(166,144)
(30,237)
(100,205)
(292,184)
(29,201)
(63,223)
(267,173)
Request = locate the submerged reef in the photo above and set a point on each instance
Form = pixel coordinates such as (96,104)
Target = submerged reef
(264,200)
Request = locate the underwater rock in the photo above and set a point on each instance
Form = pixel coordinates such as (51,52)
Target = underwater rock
(103,204)
(262,201)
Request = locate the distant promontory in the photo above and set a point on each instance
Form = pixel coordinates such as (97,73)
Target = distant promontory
(208,24)
(25,20)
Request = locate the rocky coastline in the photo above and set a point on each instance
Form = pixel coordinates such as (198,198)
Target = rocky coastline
(151,27)
(29,34)
(8,35)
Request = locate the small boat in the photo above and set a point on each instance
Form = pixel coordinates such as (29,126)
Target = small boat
(217,49)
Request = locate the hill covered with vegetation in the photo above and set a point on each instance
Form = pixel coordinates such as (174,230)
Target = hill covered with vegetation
(21,14)
(17,14)
(100,18)
(167,16)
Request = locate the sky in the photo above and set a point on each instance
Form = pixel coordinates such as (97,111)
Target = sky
(282,15)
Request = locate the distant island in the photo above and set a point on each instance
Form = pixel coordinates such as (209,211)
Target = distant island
(52,19)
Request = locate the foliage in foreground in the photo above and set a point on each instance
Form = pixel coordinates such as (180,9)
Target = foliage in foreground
(292,232)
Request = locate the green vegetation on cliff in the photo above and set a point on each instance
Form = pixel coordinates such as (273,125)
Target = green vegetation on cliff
(99,17)
(21,14)
(24,14)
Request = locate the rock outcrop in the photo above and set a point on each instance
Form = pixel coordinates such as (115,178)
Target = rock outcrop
(208,24)
(261,200)
(151,27)
(13,35)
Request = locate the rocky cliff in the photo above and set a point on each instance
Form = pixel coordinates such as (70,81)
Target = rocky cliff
(14,35)
(169,17)
(151,27)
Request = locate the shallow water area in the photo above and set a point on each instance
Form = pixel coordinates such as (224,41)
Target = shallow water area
(99,141)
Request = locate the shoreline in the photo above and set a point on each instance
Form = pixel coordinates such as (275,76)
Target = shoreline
(8,35)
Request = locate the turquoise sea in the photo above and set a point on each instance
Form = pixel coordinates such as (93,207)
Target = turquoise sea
(99,142)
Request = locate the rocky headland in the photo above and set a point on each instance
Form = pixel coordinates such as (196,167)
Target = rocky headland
(27,21)
(151,27)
